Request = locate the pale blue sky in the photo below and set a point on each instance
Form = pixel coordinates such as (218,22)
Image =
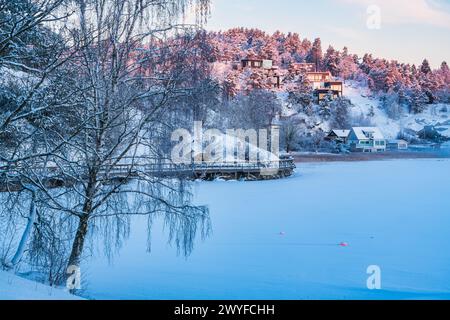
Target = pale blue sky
(410,29)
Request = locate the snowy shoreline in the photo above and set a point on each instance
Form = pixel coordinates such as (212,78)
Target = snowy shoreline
(14,287)
(356,157)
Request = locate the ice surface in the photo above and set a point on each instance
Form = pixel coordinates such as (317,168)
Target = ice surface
(281,239)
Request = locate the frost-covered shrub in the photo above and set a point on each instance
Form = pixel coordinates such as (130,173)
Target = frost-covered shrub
(361,121)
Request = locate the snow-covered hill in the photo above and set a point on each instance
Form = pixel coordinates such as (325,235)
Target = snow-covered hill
(13,287)
(360,98)
(437,115)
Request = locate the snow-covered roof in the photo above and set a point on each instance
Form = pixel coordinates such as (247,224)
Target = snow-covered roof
(363,133)
(341,133)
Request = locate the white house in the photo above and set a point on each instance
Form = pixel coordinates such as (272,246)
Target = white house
(366,139)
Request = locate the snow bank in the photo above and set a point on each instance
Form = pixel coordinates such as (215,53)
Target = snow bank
(13,287)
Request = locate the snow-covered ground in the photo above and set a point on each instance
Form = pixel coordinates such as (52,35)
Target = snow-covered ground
(280,239)
(437,115)
(13,287)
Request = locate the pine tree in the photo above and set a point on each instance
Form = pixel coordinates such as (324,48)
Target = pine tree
(332,60)
(444,73)
(316,55)
(425,67)
(417,99)
(325,107)
(270,51)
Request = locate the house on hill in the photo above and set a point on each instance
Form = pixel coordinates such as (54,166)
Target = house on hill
(256,63)
(339,136)
(366,139)
(323,84)
(268,70)
(333,88)
(318,79)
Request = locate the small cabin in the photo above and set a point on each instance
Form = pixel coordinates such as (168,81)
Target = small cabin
(338,136)
(397,145)
(256,63)
(366,139)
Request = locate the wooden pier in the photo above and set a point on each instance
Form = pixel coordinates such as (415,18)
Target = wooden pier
(13,180)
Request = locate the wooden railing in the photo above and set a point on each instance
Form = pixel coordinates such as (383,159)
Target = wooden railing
(135,168)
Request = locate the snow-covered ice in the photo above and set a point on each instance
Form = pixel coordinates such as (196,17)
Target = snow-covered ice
(283,239)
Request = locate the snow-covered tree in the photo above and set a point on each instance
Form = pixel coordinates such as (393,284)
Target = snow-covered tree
(332,60)
(257,110)
(417,99)
(316,55)
(425,67)
(341,113)
(325,107)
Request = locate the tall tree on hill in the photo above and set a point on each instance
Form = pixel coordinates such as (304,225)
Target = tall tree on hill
(444,74)
(348,66)
(428,81)
(332,60)
(269,51)
(417,99)
(444,68)
(425,67)
(316,56)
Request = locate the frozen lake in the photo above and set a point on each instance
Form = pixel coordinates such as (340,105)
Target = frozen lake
(280,239)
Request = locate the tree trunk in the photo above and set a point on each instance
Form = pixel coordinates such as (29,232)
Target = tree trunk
(78,243)
(80,237)
(27,232)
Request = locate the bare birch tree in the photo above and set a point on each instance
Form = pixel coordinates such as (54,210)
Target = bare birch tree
(126,78)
